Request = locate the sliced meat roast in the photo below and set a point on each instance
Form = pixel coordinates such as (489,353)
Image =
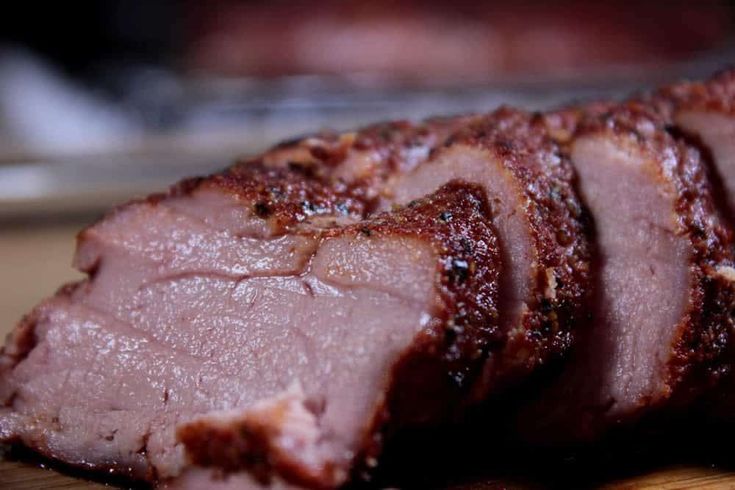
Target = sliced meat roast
(662,323)
(705,112)
(540,222)
(252,321)
(280,321)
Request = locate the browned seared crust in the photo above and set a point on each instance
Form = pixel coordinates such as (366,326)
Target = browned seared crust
(294,180)
(394,147)
(433,376)
(702,352)
(561,269)
(392,139)
(716,94)
(284,196)
(463,330)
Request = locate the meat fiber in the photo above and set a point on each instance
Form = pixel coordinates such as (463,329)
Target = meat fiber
(540,225)
(662,327)
(251,321)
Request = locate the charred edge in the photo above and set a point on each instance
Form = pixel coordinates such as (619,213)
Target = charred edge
(714,94)
(289,197)
(559,224)
(448,355)
(719,194)
(705,347)
(698,352)
(564,254)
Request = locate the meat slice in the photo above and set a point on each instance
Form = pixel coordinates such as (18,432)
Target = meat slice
(705,111)
(539,219)
(661,326)
(251,321)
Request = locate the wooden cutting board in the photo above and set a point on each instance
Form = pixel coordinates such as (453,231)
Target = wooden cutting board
(21,476)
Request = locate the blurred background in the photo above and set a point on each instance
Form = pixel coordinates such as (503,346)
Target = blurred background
(104,100)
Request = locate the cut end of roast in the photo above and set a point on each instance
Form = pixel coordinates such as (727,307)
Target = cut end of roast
(277,354)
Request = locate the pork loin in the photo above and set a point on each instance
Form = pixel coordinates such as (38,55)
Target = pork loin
(705,112)
(661,325)
(251,321)
(540,224)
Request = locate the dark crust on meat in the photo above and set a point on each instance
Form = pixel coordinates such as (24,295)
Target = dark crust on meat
(247,444)
(284,196)
(714,95)
(434,377)
(294,181)
(702,350)
(391,139)
(395,147)
(561,267)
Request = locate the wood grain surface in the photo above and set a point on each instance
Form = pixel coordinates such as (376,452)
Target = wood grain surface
(22,476)
(35,260)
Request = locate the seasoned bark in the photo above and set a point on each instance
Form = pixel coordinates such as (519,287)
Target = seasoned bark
(369,158)
(262,216)
(541,231)
(716,94)
(689,356)
(703,112)
(560,275)
(705,333)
